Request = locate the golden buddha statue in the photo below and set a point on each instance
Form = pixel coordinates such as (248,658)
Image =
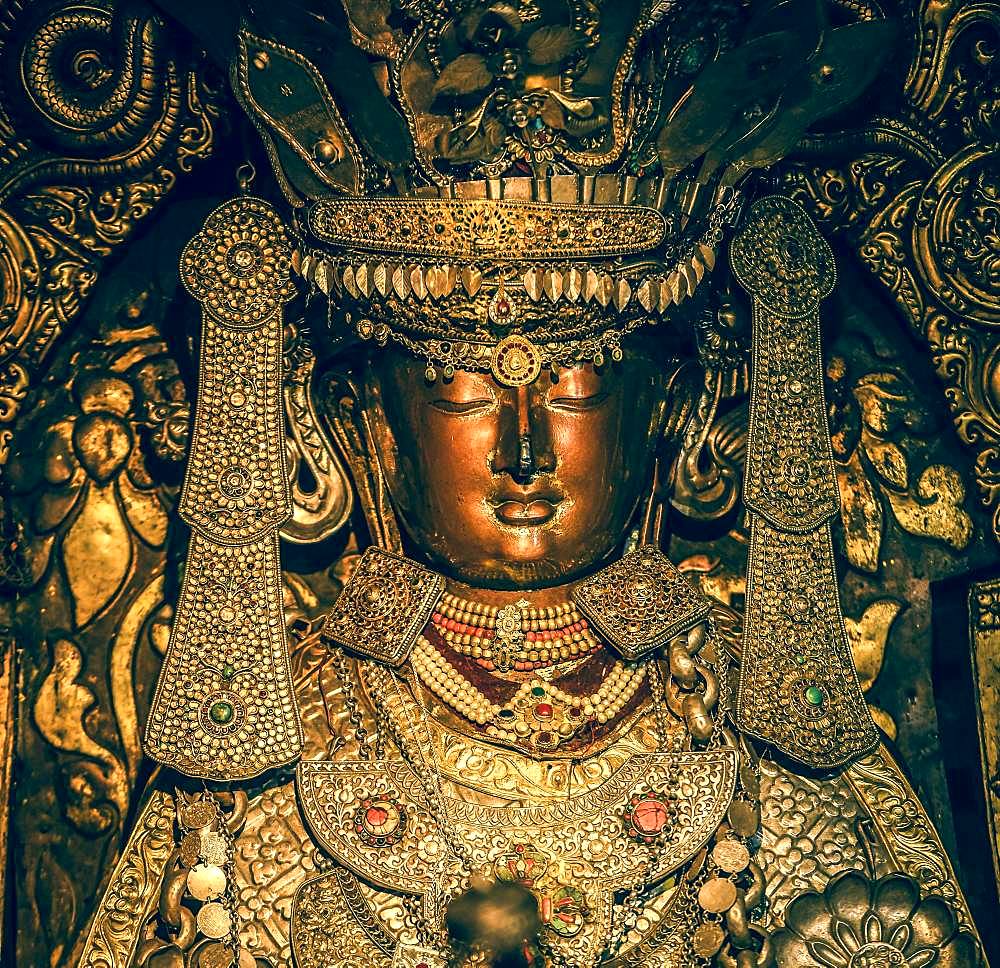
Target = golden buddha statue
(516,260)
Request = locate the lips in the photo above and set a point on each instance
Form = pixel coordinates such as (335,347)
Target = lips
(527,509)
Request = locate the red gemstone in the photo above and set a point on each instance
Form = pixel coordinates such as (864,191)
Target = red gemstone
(376,816)
(650,816)
(543,711)
(423,964)
(544,738)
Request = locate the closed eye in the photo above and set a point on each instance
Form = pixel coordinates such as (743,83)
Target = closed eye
(573,404)
(462,406)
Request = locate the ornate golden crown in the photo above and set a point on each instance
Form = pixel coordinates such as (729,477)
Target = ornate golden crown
(509,185)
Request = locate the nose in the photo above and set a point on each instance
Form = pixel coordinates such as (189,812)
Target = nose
(524,449)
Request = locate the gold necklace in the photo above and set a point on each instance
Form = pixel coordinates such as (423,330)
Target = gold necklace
(516,636)
(539,714)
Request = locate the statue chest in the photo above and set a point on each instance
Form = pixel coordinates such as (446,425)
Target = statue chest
(354,865)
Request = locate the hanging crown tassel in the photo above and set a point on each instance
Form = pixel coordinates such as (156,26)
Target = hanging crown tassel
(799,690)
(225,707)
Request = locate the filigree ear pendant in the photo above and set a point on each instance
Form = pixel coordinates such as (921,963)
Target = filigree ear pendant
(799,690)
(225,707)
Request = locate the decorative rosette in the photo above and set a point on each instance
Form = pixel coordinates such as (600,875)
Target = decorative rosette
(781,258)
(857,923)
(238,266)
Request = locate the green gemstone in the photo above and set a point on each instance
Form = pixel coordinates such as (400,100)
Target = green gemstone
(800,660)
(538,691)
(221,713)
(228,671)
(815,696)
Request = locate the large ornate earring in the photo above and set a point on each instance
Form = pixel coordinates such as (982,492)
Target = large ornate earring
(799,690)
(323,508)
(224,707)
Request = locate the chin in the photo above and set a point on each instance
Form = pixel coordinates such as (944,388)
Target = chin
(513,573)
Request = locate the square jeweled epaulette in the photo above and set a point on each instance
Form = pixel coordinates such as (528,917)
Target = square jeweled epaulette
(384,606)
(640,602)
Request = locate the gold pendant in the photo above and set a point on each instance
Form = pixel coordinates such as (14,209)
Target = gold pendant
(508,636)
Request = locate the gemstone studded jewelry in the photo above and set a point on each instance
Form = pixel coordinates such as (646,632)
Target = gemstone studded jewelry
(516,636)
(539,715)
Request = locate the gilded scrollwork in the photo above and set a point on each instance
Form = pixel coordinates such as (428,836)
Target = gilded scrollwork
(105,112)
(919,206)
(132,892)
(102,114)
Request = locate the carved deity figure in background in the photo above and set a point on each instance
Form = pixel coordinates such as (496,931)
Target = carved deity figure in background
(527,256)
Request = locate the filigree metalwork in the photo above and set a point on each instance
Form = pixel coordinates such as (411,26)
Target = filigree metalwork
(103,115)
(486,228)
(384,606)
(640,602)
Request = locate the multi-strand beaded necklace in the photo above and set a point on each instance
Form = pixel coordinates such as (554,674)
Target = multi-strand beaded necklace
(521,638)
(517,636)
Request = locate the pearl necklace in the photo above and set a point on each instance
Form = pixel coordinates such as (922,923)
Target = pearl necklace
(539,714)
(516,636)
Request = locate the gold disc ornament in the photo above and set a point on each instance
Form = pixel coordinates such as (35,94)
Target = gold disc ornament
(216,956)
(516,361)
(214,849)
(214,921)
(731,856)
(191,848)
(717,895)
(199,814)
(206,881)
(708,939)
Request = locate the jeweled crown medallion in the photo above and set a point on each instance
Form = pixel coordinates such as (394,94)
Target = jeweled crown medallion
(384,606)
(640,602)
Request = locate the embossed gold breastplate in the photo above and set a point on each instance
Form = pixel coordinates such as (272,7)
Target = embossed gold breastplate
(654,813)
(624,820)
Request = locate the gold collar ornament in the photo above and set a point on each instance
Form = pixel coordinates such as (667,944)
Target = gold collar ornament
(799,690)
(636,604)
(224,706)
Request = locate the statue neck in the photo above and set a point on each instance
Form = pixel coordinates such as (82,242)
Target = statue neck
(536,598)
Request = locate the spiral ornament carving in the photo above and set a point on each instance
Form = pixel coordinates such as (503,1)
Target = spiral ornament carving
(98,83)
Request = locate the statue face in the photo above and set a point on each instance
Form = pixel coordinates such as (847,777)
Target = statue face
(516,487)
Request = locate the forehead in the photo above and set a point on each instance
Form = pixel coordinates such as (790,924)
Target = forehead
(391,367)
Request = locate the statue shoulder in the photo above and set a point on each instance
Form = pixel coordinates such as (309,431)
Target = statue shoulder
(333,705)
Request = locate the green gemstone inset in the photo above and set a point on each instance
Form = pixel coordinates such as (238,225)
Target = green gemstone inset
(221,713)
(815,696)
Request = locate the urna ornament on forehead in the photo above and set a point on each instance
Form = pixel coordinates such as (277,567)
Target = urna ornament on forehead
(500,187)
